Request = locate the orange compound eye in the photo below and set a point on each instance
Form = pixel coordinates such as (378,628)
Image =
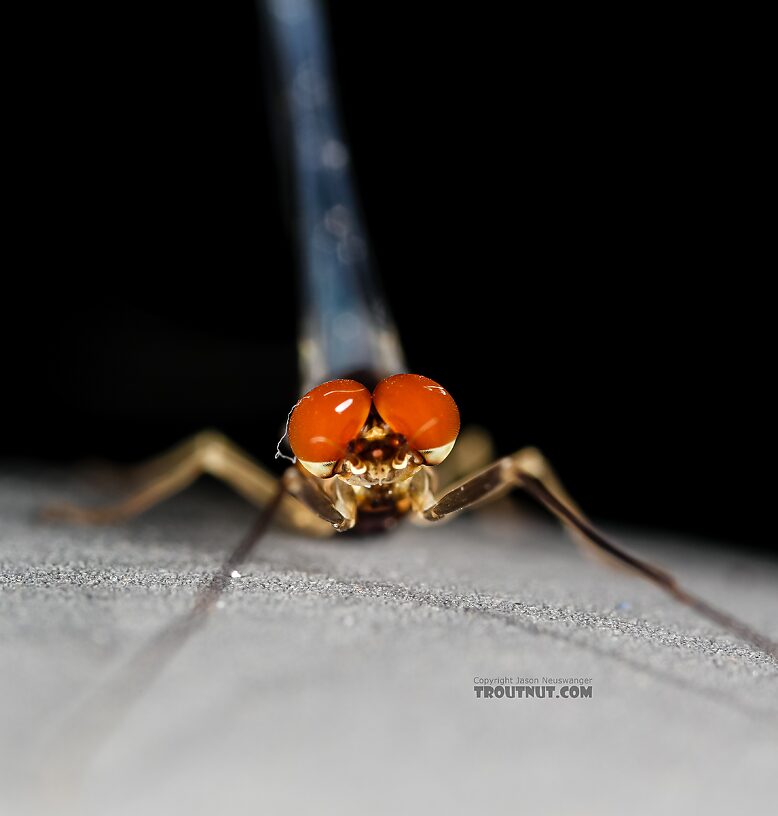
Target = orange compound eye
(325,420)
(422,411)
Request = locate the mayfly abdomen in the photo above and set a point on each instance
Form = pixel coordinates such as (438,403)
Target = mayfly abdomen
(345,327)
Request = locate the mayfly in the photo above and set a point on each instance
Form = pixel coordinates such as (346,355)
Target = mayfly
(367,436)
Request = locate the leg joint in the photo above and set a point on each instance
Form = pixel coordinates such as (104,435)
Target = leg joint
(211,447)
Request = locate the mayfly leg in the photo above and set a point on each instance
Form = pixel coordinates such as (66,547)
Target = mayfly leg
(345,326)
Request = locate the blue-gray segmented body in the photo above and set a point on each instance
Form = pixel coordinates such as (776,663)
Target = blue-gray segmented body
(345,326)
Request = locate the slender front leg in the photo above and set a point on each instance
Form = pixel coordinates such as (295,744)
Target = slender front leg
(331,500)
(529,470)
(474,450)
(207,452)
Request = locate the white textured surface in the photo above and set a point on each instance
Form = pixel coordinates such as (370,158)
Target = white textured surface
(338,675)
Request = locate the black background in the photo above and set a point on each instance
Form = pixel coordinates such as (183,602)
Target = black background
(569,215)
